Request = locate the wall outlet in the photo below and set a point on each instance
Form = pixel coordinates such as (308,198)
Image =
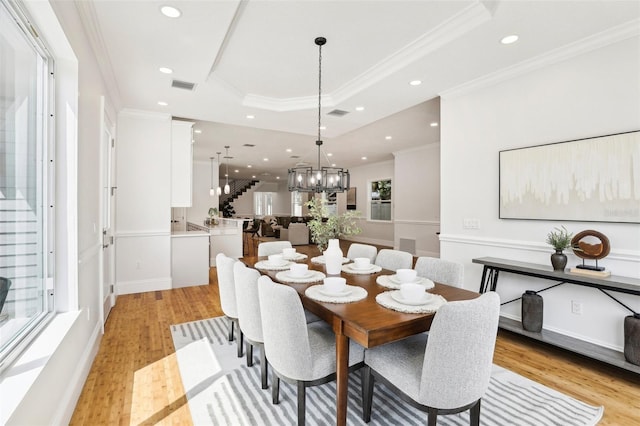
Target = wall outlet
(471,223)
(576,307)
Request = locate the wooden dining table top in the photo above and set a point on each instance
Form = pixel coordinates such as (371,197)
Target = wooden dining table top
(366,321)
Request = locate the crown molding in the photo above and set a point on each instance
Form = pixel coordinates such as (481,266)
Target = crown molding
(91,26)
(461,23)
(602,39)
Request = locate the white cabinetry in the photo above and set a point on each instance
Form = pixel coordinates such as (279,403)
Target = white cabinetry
(181,163)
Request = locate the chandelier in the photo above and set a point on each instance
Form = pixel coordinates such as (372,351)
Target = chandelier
(320,179)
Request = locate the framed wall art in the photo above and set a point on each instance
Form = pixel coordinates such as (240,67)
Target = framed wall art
(593,180)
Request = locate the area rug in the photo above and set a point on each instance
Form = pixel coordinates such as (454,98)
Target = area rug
(222,390)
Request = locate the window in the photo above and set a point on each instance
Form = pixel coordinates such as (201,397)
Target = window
(380,200)
(26,259)
(296,203)
(263,203)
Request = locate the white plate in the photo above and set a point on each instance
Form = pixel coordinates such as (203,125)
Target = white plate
(369,267)
(307,274)
(397,296)
(271,265)
(395,280)
(320,259)
(345,292)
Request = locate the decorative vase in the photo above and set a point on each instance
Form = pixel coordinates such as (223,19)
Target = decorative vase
(333,257)
(632,338)
(558,260)
(532,310)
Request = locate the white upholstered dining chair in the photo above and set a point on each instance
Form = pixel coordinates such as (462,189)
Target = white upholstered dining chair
(313,361)
(268,248)
(249,319)
(227,288)
(394,259)
(362,250)
(445,371)
(441,271)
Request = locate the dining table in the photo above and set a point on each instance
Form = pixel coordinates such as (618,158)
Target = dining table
(365,321)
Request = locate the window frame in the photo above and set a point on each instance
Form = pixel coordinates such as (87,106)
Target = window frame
(45,172)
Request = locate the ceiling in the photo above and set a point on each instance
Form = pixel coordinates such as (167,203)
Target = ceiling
(258,58)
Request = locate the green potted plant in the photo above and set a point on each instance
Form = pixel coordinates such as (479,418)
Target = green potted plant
(325,227)
(213,215)
(559,239)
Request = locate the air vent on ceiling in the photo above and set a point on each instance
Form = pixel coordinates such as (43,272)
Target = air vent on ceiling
(182,85)
(295,156)
(338,113)
(250,145)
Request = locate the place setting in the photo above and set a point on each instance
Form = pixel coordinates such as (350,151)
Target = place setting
(403,276)
(275,262)
(299,273)
(361,265)
(320,260)
(291,255)
(335,290)
(411,298)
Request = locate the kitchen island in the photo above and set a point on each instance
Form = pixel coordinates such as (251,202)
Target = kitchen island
(225,237)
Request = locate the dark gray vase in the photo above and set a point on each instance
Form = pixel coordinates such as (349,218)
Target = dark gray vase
(632,339)
(558,260)
(532,308)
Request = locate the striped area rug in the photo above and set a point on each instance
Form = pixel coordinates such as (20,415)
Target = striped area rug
(222,390)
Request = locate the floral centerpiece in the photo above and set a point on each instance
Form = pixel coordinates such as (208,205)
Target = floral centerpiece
(325,227)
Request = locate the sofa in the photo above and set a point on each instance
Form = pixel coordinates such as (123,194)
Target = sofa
(297,233)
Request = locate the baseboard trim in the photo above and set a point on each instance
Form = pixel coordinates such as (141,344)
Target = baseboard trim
(143,286)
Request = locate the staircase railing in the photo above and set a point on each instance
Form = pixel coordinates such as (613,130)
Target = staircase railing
(237,188)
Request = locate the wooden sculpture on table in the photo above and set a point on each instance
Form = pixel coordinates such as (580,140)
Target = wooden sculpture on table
(585,247)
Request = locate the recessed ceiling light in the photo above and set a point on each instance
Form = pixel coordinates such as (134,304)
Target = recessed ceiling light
(415,82)
(329,154)
(434,124)
(265,159)
(288,149)
(253,177)
(277,177)
(237,171)
(364,158)
(162,103)
(226,175)
(165,70)
(170,12)
(251,117)
(359,108)
(388,138)
(197,131)
(333,165)
(509,39)
(323,127)
(249,166)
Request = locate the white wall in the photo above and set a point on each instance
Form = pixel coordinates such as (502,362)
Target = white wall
(45,388)
(595,93)
(373,232)
(143,213)
(416,198)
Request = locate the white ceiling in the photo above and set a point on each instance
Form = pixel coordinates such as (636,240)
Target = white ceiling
(259,58)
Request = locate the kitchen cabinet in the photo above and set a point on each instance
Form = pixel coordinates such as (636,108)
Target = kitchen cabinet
(181,163)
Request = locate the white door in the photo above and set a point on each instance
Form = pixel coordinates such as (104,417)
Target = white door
(107,216)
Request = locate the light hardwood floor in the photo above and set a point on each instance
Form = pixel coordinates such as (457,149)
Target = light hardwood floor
(135,380)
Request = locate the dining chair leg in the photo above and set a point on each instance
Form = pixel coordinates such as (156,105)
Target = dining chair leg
(367,393)
(264,366)
(275,388)
(240,343)
(302,399)
(249,355)
(231,323)
(475,414)
(432,416)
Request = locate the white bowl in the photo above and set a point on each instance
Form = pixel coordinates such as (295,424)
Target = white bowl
(276,260)
(298,270)
(335,284)
(406,275)
(411,292)
(361,263)
(289,252)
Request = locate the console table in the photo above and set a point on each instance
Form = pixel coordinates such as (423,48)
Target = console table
(493,266)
